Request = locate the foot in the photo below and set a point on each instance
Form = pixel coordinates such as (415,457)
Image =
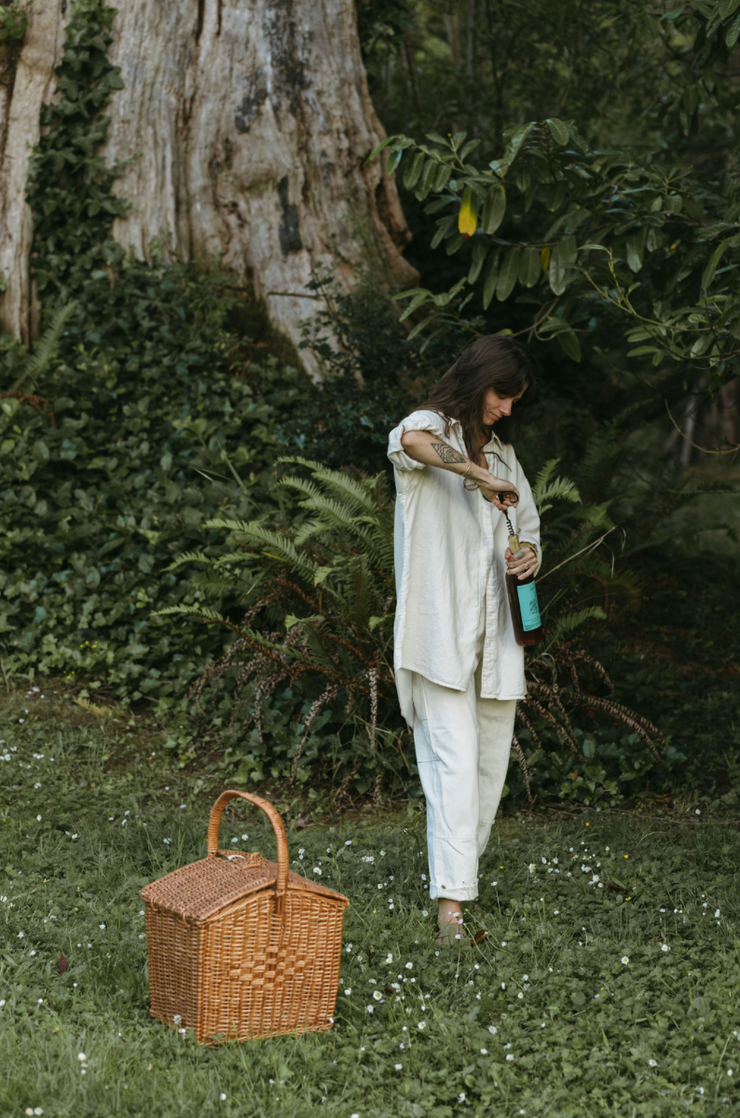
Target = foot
(450,921)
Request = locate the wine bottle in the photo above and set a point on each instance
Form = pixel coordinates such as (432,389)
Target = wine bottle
(522,594)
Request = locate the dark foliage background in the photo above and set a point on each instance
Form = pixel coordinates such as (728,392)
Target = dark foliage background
(159,401)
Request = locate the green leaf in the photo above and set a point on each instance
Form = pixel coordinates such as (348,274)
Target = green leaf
(569,343)
(443,176)
(733,33)
(508,275)
(563,254)
(476,263)
(469,147)
(393,160)
(494,209)
(379,147)
(436,138)
(636,248)
(455,242)
(711,268)
(417,301)
(443,227)
(559,131)
(458,140)
(530,267)
(427,179)
(413,171)
(490,280)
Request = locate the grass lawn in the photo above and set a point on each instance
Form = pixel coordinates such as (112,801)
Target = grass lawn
(609,982)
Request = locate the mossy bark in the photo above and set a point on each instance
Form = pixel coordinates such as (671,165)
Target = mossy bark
(245,124)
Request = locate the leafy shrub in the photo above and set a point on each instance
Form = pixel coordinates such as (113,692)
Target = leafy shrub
(308,680)
(307,686)
(105,485)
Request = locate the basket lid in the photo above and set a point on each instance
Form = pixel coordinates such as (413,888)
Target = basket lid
(202,889)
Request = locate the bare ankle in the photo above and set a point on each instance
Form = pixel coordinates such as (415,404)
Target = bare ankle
(449,912)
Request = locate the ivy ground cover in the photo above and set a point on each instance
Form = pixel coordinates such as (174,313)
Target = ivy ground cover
(605,979)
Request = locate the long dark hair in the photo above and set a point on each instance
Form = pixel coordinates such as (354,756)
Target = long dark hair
(494,361)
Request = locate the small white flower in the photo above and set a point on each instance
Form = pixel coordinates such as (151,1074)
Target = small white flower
(2,1002)
(492,1030)
(716,915)
(317,870)
(37,1110)
(653,1063)
(244,838)
(370,1008)
(348,842)
(409,966)
(398,1066)
(509,1056)
(520,995)
(222,1096)
(102,927)
(377,995)
(665,947)
(347,991)
(389,958)
(625,959)
(525,978)
(503,985)
(166,841)
(461,1097)
(422,1025)
(81,1057)
(532,867)
(177,1019)
(729,1071)
(38,818)
(484,1051)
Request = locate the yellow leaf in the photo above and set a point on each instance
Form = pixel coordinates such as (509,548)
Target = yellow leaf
(545,258)
(467,219)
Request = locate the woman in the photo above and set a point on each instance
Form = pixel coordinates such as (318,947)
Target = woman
(458,668)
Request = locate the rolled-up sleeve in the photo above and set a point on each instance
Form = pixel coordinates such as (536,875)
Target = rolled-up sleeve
(417,421)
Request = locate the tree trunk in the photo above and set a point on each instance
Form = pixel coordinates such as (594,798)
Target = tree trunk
(246,123)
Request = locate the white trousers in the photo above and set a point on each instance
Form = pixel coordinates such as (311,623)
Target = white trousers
(462,751)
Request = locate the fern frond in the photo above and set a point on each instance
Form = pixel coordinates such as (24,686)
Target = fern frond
(188,557)
(38,362)
(547,488)
(356,490)
(572,621)
(203,612)
(254,532)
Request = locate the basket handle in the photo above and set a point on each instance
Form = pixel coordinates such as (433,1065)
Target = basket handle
(214,823)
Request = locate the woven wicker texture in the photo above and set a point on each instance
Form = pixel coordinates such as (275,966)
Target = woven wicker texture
(240,947)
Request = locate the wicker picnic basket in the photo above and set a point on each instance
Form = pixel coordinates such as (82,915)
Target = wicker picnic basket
(240,947)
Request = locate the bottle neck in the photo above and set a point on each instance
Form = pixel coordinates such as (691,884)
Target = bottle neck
(514,543)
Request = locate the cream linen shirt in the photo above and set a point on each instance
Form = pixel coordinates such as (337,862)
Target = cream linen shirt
(450,546)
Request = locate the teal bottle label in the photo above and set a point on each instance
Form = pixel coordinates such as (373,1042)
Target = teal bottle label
(529,606)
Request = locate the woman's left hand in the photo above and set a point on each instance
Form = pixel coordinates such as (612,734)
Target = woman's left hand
(523,563)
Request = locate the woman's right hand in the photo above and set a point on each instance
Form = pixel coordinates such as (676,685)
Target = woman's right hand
(495,488)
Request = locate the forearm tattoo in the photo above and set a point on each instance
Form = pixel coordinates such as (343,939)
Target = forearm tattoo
(447,454)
